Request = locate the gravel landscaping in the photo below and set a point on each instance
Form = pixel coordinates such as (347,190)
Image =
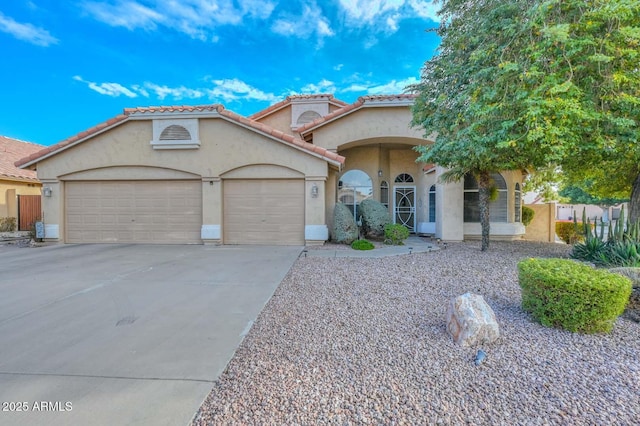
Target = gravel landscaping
(363,341)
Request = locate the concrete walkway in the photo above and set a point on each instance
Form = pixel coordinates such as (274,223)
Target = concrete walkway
(413,244)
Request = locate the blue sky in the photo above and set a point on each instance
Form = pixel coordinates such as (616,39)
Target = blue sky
(71,64)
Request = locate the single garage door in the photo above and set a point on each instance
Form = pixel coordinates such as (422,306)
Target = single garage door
(157,212)
(264,211)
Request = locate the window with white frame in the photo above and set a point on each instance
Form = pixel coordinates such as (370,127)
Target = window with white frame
(384,193)
(497,207)
(354,187)
(432,203)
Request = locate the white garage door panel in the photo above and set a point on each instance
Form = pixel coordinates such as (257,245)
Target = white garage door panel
(162,212)
(264,211)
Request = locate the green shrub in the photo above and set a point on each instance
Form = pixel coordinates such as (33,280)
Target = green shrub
(527,215)
(375,216)
(571,295)
(395,234)
(569,232)
(345,230)
(8,224)
(362,245)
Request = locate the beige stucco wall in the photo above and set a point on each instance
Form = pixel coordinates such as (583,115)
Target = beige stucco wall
(367,124)
(280,120)
(226,151)
(9,190)
(543,226)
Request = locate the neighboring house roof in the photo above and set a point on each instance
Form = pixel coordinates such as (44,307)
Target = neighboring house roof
(362,102)
(215,110)
(296,98)
(11,150)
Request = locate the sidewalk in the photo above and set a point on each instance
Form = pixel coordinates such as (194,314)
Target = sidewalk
(413,244)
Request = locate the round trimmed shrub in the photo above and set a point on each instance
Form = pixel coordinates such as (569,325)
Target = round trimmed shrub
(374,217)
(345,229)
(571,295)
(395,234)
(362,245)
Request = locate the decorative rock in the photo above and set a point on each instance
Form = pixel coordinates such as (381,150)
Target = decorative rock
(471,321)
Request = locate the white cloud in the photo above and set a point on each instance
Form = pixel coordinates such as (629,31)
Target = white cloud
(109,89)
(177,93)
(310,22)
(426,9)
(324,86)
(234,89)
(227,90)
(26,32)
(392,87)
(386,14)
(195,18)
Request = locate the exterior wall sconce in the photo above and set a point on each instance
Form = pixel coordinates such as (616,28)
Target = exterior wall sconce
(380,173)
(314,191)
(46,191)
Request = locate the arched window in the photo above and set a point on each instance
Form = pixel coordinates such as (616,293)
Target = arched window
(432,203)
(353,187)
(497,208)
(518,204)
(404,178)
(384,193)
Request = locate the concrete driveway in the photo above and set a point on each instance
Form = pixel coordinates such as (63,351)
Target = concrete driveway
(124,334)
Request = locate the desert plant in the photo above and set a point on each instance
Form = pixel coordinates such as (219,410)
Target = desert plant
(375,216)
(527,215)
(620,248)
(569,232)
(571,295)
(8,224)
(362,245)
(395,234)
(345,229)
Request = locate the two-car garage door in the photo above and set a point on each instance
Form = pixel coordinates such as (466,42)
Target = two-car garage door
(256,211)
(160,212)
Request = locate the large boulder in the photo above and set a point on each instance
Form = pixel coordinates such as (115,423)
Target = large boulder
(374,217)
(345,229)
(471,321)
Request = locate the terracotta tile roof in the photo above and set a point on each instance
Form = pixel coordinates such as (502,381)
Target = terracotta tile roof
(11,150)
(293,98)
(377,100)
(231,116)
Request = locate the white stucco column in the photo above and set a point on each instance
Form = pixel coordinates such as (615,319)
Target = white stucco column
(52,209)
(449,209)
(315,227)
(211,210)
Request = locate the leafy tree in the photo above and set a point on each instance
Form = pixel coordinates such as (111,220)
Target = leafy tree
(578,195)
(526,84)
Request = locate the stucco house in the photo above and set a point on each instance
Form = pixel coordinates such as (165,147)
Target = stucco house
(203,174)
(15,181)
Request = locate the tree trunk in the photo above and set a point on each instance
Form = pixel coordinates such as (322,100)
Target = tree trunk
(484,193)
(634,202)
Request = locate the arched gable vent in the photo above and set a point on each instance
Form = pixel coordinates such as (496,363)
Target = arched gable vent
(307,117)
(175,132)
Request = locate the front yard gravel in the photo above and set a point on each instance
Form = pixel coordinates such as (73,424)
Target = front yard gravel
(363,341)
